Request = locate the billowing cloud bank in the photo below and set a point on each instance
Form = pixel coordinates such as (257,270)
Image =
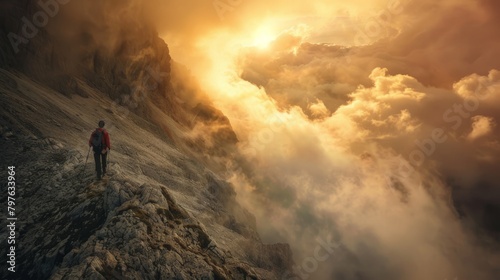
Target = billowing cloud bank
(387,147)
(403,176)
(368,130)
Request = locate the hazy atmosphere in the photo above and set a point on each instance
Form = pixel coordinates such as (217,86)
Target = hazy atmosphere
(373,123)
(366,129)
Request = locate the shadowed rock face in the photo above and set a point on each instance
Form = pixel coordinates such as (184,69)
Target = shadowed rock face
(121,57)
(161,213)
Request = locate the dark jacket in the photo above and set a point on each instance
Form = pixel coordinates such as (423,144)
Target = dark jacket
(105,140)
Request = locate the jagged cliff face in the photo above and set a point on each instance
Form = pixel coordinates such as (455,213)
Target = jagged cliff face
(161,213)
(96,44)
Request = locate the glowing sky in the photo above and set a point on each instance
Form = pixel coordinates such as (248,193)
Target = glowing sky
(371,123)
(374,122)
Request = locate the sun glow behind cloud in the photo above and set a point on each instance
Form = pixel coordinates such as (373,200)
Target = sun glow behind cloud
(263,37)
(336,105)
(325,131)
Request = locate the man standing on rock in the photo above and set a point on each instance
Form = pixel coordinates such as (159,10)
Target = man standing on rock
(99,141)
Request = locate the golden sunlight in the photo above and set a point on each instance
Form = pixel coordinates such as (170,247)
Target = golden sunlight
(331,112)
(263,37)
(319,139)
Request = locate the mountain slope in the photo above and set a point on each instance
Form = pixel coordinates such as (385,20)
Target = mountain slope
(160,214)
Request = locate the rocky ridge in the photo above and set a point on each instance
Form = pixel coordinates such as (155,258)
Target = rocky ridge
(162,212)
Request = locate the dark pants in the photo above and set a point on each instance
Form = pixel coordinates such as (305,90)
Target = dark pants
(100,162)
